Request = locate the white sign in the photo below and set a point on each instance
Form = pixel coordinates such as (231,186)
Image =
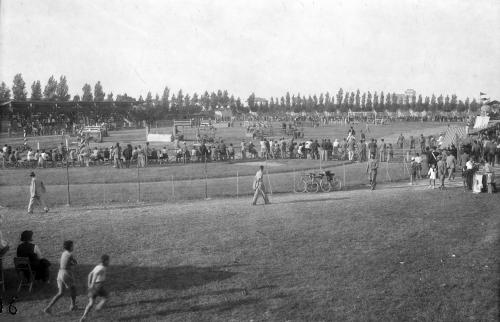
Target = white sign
(152,137)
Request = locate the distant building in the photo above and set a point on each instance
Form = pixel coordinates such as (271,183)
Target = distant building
(410,92)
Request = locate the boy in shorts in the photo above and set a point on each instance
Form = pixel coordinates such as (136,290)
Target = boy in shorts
(96,282)
(65,279)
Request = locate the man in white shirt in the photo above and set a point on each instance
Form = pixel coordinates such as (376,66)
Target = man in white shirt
(259,187)
(36,190)
(263,149)
(29,155)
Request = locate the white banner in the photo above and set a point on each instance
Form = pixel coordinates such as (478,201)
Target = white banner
(159,137)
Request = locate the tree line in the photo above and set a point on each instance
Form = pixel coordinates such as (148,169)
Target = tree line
(153,107)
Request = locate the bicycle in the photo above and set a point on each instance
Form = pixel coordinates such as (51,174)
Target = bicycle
(329,182)
(307,183)
(324,181)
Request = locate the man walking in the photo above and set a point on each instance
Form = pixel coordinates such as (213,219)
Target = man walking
(117,156)
(441,171)
(36,190)
(259,187)
(371,169)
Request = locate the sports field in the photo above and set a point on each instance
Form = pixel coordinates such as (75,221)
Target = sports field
(394,254)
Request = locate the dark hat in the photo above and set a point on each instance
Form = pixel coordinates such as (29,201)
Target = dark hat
(27,236)
(32,174)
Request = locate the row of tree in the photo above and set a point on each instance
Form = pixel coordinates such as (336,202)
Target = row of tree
(156,107)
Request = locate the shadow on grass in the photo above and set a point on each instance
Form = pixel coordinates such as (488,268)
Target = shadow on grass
(220,307)
(125,278)
(313,200)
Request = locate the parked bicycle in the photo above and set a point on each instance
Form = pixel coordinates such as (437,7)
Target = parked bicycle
(314,182)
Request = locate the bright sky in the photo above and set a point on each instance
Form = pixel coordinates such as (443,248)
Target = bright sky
(262,46)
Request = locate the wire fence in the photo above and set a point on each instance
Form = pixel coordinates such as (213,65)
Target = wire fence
(88,186)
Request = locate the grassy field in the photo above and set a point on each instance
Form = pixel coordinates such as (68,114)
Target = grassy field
(103,185)
(237,133)
(387,255)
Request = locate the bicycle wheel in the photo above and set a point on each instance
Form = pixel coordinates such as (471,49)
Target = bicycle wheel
(326,186)
(336,184)
(300,186)
(312,186)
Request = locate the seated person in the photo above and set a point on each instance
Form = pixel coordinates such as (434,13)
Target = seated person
(106,154)
(164,154)
(39,265)
(179,156)
(154,155)
(95,154)
(4,245)
(230,152)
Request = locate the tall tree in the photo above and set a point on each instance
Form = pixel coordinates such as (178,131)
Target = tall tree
(165,98)
(49,93)
(357,100)
(225,99)
(419,106)
(287,99)
(381,104)
(149,100)
(187,101)
(440,103)
(363,102)
(453,102)
(395,102)
(36,91)
(62,89)
(413,102)
(340,96)
(461,107)
(474,105)
(352,98)
(388,105)
(251,102)
(4,92)
(87,93)
(180,99)
(19,88)
(76,98)
(427,103)
(98,92)
(433,105)
(109,97)
(447,106)
(467,104)
(369,105)
(375,101)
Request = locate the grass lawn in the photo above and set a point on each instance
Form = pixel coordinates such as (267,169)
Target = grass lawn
(237,133)
(386,255)
(102,185)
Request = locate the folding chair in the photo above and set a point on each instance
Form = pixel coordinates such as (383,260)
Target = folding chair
(24,272)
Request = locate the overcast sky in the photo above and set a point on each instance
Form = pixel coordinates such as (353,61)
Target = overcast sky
(267,47)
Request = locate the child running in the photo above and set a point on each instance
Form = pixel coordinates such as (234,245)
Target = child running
(432,177)
(65,277)
(96,281)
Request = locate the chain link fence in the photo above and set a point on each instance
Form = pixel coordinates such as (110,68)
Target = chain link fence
(105,185)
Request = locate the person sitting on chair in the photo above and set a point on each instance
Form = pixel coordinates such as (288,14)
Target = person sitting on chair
(39,265)
(4,245)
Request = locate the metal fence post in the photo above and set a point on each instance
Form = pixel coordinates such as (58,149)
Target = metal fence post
(173,188)
(67,181)
(138,185)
